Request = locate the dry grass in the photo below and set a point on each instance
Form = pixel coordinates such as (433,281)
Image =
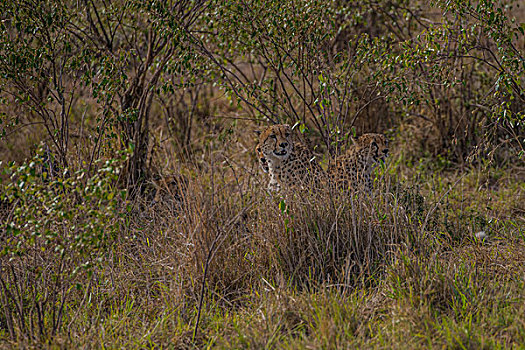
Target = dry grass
(203,256)
(400,268)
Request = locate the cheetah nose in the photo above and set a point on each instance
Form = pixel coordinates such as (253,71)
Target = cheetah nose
(284,144)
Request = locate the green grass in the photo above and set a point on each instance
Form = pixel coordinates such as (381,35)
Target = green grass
(137,216)
(351,274)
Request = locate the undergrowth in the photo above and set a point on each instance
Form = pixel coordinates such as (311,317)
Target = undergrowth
(400,267)
(133,213)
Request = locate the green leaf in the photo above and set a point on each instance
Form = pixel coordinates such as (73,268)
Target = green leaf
(282,206)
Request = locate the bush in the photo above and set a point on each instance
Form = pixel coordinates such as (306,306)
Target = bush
(135,216)
(55,235)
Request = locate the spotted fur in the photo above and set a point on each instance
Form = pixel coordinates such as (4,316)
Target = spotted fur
(288,162)
(353,170)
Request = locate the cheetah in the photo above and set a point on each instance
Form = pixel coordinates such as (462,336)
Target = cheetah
(288,162)
(353,170)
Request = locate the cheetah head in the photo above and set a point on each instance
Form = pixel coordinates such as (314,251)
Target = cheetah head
(376,143)
(275,143)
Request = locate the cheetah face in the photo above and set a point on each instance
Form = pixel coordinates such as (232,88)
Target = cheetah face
(376,143)
(275,142)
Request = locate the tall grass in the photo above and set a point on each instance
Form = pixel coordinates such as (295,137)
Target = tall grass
(258,269)
(135,216)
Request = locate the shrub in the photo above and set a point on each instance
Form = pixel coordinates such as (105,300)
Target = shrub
(55,234)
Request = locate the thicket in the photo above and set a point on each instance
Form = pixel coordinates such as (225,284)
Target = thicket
(127,169)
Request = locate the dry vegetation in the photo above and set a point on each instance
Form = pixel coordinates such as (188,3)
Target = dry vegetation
(133,213)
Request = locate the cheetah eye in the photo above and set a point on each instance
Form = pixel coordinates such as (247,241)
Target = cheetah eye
(273,136)
(258,149)
(287,134)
